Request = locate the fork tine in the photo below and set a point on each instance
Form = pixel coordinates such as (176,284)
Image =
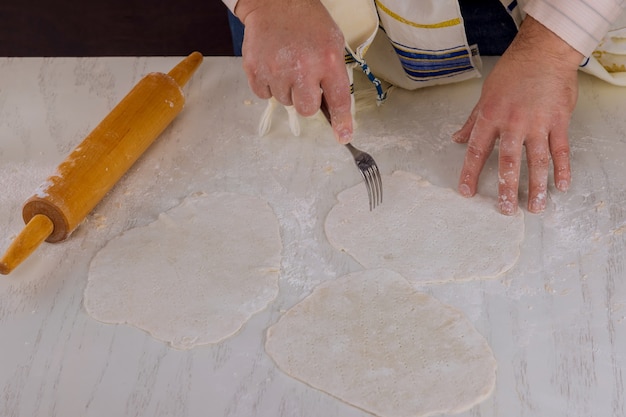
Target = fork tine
(375,189)
(370,189)
(368,185)
(379,183)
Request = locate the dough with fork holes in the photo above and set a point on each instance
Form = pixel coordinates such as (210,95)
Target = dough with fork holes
(372,341)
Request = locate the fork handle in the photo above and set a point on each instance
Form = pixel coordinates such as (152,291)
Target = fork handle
(354,151)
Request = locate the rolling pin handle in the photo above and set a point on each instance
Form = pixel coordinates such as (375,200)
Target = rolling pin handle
(183,71)
(34,233)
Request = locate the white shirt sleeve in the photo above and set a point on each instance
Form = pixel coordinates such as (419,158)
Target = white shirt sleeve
(230,4)
(580,23)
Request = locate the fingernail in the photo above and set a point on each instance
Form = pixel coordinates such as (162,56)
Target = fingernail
(562,185)
(464,190)
(345,136)
(456,137)
(537,204)
(507,208)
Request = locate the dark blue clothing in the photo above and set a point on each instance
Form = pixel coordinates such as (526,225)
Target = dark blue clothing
(488,25)
(236,32)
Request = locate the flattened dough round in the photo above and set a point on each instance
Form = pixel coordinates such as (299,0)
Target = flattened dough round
(195,275)
(372,341)
(426,233)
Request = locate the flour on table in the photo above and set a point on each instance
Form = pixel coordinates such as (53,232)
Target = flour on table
(372,341)
(426,233)
(195,275)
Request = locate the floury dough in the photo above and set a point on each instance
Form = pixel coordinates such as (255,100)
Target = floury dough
(426,233)
(372,341)
(195,275)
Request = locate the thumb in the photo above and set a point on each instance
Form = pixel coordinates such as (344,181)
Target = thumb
(463,134)
(337,107)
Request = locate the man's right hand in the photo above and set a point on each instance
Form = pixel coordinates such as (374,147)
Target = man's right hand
(294,51)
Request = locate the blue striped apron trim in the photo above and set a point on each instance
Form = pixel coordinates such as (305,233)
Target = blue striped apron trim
(424,65)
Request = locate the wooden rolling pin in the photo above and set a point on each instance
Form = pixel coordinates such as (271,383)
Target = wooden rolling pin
(92,169)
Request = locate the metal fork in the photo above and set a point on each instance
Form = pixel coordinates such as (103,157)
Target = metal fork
(366,165)
(370,173)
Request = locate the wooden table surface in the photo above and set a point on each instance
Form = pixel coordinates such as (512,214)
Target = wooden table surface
(556,322)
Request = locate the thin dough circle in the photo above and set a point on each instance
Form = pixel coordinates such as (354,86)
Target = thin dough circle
(426,233)
(371,340)
(195,275)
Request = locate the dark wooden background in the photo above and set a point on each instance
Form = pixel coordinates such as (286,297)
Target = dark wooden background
(113,28)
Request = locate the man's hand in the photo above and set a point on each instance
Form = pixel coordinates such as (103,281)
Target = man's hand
(294,51)
(526,101)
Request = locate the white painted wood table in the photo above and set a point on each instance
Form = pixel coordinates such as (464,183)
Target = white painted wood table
(556,322)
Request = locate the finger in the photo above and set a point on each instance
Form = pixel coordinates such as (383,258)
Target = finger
(462,135)
(338,99)
(509,162)
(282,93)
(538,159)
(264,82)
(259,86)
(560,150)
(307,98)
(479,147)
(261,90)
